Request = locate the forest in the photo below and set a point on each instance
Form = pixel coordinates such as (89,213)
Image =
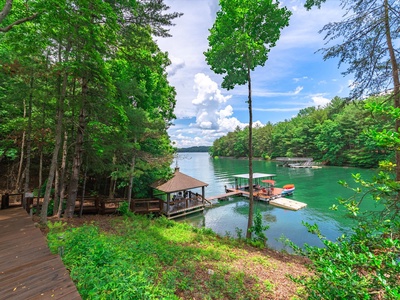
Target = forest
(194,149)
(338,134)
(84,96)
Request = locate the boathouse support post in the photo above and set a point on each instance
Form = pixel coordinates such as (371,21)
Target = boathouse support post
(168,199)
(203,194)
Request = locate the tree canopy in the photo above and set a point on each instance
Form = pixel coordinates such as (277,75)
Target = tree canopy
(84,90)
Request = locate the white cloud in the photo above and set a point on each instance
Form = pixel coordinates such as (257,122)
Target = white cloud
(298,90)
(207,90)
(213,117)
(176,64)
(319,100)
(211,111)
(257,92)
(300,79)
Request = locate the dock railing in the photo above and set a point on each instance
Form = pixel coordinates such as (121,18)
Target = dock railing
(146,205)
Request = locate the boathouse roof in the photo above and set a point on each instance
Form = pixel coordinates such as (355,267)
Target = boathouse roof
(179,182)
(255,175)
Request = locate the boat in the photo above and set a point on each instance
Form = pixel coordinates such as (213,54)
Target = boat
(288,189)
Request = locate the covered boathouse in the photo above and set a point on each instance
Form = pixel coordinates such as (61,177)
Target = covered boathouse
(180,197)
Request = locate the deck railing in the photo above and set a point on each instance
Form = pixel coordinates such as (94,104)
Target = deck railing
(146,205)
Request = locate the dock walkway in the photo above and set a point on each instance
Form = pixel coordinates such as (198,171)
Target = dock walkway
(28,270)
(226,195)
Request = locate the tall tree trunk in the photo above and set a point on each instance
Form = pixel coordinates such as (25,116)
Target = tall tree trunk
(22,157)
(77,161)
(53,165)
(28,143)
(6,10)
(56,191)
(62,175)
(111,190)
(396,81)
(131,171)
(251,198)
(40,177)
(83,192)
(58,136)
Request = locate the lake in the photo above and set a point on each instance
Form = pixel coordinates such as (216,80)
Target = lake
(318,188)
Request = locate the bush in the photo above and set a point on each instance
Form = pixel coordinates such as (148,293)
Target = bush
(124,209)
(260,239)
(364,266)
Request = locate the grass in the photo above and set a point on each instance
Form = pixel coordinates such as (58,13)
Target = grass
(142,258)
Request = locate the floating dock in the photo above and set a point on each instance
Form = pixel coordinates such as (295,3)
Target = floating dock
(275,200)
(287,203)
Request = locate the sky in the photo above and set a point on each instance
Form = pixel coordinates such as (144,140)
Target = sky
(294,77)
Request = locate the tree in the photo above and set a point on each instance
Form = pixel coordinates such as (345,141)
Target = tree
(365,265)
(78,70)
(239,41)
(6,11)
(368,45)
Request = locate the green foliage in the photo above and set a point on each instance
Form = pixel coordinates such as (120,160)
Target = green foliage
(361,266)
(364,265)
(124,209)
(242,36)
(151,259)
(336,134)
(239,233)
(259,239)
(93,57)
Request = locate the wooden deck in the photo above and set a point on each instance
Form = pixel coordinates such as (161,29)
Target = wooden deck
(258,194)
(28,270)
(226,195)
(183,207)
(274,199)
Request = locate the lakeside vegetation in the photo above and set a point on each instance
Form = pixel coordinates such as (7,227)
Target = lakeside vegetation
(338,134)
(137,257)
(194,149)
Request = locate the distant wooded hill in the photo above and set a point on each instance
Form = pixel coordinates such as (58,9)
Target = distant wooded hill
(194,149)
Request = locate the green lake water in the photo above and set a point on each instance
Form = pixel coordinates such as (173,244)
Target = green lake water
(318,188)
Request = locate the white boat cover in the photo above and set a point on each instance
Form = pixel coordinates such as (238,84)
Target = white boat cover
(255,175)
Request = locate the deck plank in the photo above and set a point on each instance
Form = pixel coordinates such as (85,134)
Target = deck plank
(226,195)
(28,270)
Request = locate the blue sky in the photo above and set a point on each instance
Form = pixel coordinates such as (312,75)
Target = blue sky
(294,77)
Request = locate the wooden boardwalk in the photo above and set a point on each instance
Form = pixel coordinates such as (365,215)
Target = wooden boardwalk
(226,195)
(28,270)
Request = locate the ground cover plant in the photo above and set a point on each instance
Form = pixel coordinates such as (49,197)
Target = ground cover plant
(137,257)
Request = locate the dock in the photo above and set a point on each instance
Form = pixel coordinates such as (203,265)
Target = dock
(287,203)
(295,162)
(28,270)
(276,199)
(226,195)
